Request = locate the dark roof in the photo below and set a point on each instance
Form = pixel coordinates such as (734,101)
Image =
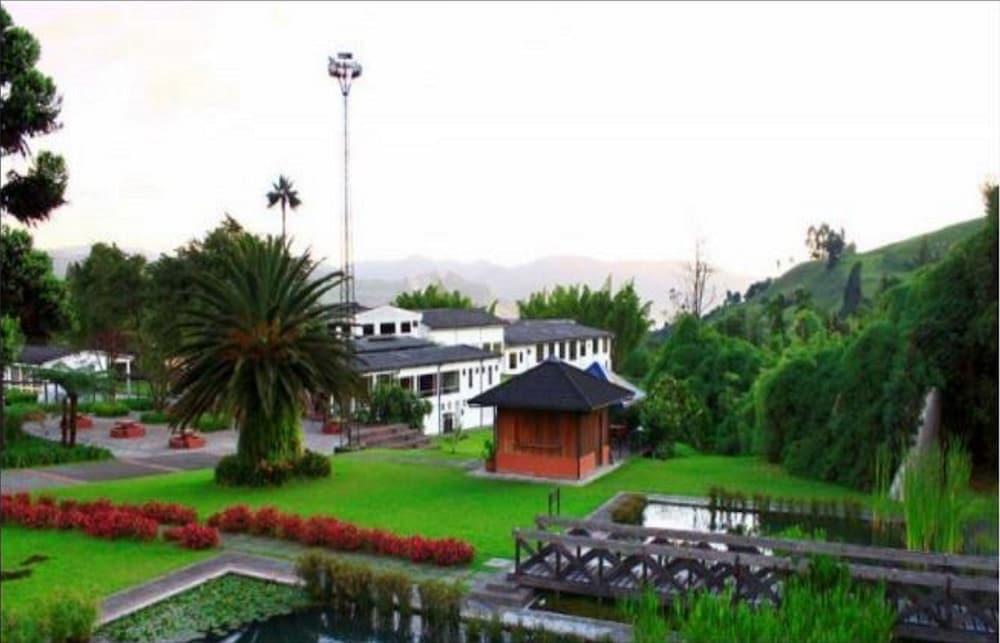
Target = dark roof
(459,318)
(354,307)
(392,360)
(553,385)
(536,331)
(41,353)
(379,344)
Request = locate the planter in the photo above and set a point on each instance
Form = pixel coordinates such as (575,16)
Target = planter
(84,422)
(187,441)
(127,430)
(333,427)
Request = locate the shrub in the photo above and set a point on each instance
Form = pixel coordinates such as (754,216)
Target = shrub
(311,568)
(60,617)
(168,513)
(109,409)
(821,605)
(232,471)
(393,589)
(235,519)
(390,403)
(440,603)
(324,531)
(193,536)
(629,509)
(12,397)
(138,403)
(24,450)
(154,417)
(210,422)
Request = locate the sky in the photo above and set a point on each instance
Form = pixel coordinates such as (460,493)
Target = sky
(507,132)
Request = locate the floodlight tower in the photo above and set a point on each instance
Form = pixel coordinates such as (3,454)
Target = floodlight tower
(345,69)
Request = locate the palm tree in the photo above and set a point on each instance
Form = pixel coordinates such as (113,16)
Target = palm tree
(284,193)
(255,341)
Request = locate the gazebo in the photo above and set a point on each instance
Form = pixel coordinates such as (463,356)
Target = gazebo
(552,421)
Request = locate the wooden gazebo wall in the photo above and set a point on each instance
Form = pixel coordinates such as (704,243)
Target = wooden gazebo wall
(551,444)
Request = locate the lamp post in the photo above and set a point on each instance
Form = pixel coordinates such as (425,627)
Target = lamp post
(345,69)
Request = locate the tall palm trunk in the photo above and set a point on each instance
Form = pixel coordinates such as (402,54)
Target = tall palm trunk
(282,219)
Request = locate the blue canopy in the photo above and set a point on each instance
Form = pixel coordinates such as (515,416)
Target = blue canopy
(597,370)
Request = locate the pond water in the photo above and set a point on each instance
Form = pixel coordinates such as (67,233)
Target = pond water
(772,523)
(321,625)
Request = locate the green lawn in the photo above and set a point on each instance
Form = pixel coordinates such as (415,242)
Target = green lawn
(469,445)
(377,489)
(421,498)
(75,561)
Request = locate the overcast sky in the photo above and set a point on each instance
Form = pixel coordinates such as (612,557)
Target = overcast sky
(508,132)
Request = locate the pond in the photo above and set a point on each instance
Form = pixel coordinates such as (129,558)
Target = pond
(320,625)
(855,530)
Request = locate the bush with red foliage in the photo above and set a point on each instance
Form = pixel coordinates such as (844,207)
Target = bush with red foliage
(325,531)
(193,536)
(168,513)
(235,519)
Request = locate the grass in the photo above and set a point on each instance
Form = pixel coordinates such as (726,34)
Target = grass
(418,498)
(470,443)
(76,561)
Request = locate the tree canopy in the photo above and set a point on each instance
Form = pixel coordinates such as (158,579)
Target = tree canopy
(29,107)
(622,313)
(29,291)
(433,296)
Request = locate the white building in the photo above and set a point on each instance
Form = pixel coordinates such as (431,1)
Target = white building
(20,374)
(448,356)
(530,341)
(446,376)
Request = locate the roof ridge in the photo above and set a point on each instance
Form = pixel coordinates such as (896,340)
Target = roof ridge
(576,387)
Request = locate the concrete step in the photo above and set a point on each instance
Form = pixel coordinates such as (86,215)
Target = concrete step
(382,430)
(520,597)
(412,438)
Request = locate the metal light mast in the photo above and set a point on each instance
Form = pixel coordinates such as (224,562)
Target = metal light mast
(345,69)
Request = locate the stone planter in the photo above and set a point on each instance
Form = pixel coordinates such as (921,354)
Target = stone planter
(187,441)
(84,422)
(127,430)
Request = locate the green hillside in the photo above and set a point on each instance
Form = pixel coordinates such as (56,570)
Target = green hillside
(897,260)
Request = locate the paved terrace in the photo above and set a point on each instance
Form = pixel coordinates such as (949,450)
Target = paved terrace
(136,457)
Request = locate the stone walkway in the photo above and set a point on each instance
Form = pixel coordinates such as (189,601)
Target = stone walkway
(137,457)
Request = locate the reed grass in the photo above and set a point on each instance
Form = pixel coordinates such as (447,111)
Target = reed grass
(935,484)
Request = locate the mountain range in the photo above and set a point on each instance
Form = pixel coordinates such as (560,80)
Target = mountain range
(484,282)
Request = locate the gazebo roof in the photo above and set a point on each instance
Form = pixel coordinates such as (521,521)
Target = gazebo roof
(553,385)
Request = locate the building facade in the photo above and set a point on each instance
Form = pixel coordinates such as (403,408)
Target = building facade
(448,356)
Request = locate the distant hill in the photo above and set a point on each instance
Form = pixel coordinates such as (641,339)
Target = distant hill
(897,260)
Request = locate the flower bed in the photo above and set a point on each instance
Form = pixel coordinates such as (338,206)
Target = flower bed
(128,429)
(193,536)
(324,531)
(102,519)
(186,441)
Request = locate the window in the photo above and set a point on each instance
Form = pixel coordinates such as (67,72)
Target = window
(583,348)
(470,378)
(512,361)
(487,347)
(593,345)
(562,350)
(607,343)
(539,353)
(368,330)
(572,349)
(498,348)
(449,382)
(428,384)
(404,327)
(383,380)
(552,349)
(489,376)
(406,383)
(387,328)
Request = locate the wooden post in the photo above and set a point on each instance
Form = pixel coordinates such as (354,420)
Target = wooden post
(517,554)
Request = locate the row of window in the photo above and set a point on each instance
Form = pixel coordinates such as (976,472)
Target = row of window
(564,350)
(427,385)
(388,328)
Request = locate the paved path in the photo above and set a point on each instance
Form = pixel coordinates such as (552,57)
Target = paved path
(135,458)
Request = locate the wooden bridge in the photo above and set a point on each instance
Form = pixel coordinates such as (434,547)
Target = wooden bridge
(938,597)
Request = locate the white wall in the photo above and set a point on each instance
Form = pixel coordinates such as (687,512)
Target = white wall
(484,375)
(525,356)
(387,314)
(477,337)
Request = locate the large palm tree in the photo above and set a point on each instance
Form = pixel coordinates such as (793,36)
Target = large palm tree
(255,340)
(283,192)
